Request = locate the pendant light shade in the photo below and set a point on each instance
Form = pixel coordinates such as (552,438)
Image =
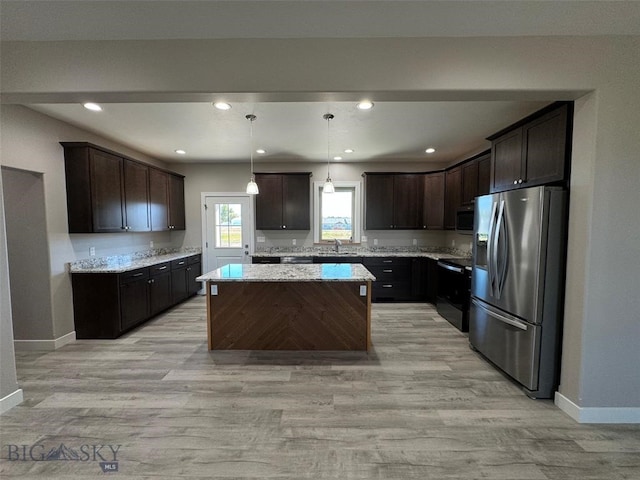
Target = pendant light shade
(328,184)
(252,186)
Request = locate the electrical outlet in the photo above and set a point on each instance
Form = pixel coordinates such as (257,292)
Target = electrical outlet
(150,243)
(260,239)
(453,243)
(414,242)
(470,245)
(92,251)
(293,241)
(375,241)
(363,238)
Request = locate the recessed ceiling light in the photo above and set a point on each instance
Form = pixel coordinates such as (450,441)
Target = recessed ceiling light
(181,152)
(349,150)
(337,158)
(94,107)
(222,105)
(261,151)
(365,105)
(430,150)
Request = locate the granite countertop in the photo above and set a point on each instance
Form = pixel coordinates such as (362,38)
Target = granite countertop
(125,263)
(376,253)
(325,272)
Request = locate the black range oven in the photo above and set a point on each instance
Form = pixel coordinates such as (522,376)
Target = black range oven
(454,291)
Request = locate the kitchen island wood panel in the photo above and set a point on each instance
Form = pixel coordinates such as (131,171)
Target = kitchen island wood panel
(289,307)
(289,316)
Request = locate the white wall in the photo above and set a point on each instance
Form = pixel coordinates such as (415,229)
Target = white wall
(30,141)
(8,379)
(227,177)
(601,306)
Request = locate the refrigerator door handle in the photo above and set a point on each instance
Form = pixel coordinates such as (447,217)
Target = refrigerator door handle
(495,250)
(504,250)
(514,323)
(490,247)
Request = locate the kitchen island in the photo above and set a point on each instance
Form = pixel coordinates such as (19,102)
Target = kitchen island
(289,307)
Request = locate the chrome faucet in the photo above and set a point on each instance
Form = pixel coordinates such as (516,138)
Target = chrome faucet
(337,245)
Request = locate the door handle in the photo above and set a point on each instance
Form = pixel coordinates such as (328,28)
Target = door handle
(504,253)
(490,245)
(510,321)
(496,248)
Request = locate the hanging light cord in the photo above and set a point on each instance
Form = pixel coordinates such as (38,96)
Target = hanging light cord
(328,117)
(251,118)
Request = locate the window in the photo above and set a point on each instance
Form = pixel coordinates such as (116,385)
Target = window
(228,225)
(337,215)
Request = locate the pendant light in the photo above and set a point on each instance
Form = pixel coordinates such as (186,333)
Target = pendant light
(252,186)
(328,184)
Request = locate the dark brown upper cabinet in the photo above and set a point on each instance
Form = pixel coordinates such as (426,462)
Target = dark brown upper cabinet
(107,192)
(433,201)
(476,174)
(407,200)
(136,196)
(166,192)
(284,201)
(393,201)
(534,151)
(469,182)
(484,174)
(453,196)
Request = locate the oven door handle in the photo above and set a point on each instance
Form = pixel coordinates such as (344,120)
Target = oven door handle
(451,267)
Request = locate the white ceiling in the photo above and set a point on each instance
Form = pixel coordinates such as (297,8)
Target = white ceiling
(163,19)
(295,130)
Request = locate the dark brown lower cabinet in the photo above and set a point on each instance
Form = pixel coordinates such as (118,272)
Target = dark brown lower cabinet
(134,300)
(400,279)
(106,305)
(183,278)
(160,288)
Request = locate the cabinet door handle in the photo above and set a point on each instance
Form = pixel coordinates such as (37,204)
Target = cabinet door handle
(519,180)
(387,261)
(180,263)
(515,182)
(161,268)
(188,269)
(387,271)
(284,226)
(137,274)
(387,286)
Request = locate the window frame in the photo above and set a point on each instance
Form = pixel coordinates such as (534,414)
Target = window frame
(357,210)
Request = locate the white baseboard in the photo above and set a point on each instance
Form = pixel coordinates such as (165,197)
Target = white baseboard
(10,401)
(597,414)
(45,345)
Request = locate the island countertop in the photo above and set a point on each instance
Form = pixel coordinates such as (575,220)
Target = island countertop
(323,272)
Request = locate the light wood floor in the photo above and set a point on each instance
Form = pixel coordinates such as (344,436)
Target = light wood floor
(421,405)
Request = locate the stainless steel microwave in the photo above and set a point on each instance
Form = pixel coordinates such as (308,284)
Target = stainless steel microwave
(464,220)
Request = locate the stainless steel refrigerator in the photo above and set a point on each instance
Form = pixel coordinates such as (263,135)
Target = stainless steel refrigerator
(517,284)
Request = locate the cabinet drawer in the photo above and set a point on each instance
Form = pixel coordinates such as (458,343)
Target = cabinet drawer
(133,275)
(391,272)
(179,263)
(160,268)
(386,261)
(396,290)
(193,259)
